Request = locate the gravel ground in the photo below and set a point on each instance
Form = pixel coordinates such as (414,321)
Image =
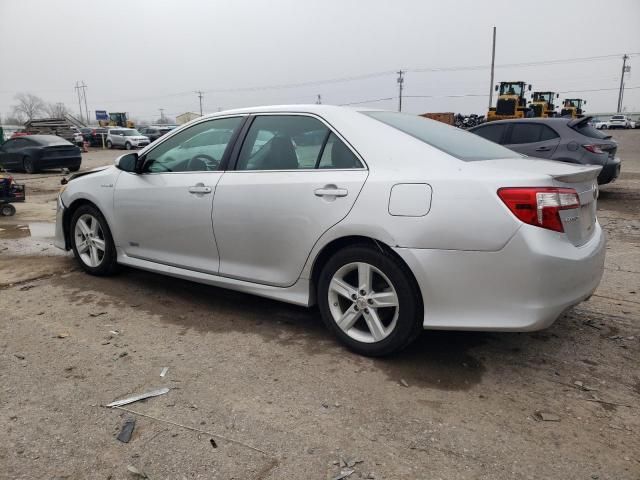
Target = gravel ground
(280,398)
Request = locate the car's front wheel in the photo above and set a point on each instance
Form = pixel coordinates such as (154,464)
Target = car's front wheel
(92,242)
(369,300)
(28,165)
(127,146)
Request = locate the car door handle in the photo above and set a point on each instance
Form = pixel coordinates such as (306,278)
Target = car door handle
(331,192)
(543,149)
(199,188)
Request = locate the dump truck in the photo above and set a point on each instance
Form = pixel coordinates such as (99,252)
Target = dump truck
(572,107)
(511,101)
(542,104)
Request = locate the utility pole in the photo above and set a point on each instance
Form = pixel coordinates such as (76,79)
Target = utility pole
(200,95)
(77,87)
(493,63)
(400,87)
(319,100)
(624,69)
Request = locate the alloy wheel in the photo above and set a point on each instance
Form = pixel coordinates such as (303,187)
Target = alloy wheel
(363,302)
(89,240)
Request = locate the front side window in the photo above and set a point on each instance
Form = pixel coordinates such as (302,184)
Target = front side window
(454,141)
(293,142)
(493,133)
(195,149)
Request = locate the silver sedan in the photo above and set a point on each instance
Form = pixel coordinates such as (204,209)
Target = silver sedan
(390,223)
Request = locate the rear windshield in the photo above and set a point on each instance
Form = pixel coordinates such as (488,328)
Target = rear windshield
(454,141)
(588,131)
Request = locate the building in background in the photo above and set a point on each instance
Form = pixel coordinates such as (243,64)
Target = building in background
(186,117)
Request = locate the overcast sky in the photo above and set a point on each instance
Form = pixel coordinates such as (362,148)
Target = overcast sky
(140,56)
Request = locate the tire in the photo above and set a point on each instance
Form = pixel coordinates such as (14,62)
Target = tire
(109,144)
(398,323)
(74,169)
(7,210)
(28,165)
(89,258)
(127,146)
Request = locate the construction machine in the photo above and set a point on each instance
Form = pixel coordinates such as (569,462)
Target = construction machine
(511,101)
(542,105)
(572,107)
(117,119)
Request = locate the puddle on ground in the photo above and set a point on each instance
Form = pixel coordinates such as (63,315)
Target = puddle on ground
(23,230)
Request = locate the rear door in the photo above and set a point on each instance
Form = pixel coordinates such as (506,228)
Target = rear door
(292,180)
(533,139)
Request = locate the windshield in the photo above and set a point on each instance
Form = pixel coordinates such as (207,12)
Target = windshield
(543,97)
(131,133)
(454,141)
(512,89)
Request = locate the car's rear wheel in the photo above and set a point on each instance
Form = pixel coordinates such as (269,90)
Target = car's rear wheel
(109,144)
(369,300)
(7,210)
(28,165)
(92,242)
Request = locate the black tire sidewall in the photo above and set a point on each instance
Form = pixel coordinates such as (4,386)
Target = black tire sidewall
(7,210)
(109,144)
(128,146)
(28,161)
(409,323)
(108,264)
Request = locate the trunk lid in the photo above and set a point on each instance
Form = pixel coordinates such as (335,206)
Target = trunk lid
(579,223)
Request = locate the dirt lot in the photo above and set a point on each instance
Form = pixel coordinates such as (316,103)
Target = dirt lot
(281,398)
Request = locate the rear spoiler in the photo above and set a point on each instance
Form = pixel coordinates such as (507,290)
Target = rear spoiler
(583,173)
(578,121)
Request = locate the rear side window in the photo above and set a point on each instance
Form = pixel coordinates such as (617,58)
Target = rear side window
(454,141)
(588,131)
(493,133)
(531,133)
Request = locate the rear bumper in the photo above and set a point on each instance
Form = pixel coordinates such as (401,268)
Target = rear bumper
(525,286)
(59,162)
(610,171)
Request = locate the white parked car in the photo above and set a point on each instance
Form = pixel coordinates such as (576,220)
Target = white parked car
(600,124)
(391,223)
(620,121)
(126,138)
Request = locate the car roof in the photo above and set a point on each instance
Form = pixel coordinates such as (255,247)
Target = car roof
(47,139)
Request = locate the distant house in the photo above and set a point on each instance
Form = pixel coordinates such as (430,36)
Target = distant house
(186,117)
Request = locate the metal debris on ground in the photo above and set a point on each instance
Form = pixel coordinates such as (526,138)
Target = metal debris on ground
(164,371)
(114,332)
(127,430)
(546,417)
(97,314)
(26,287)
(213,443)
(136,398)
(344,474)
(404,383)
(62,335)
(136,472)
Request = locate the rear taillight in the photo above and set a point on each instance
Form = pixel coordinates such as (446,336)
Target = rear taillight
(540,206)
(593,148)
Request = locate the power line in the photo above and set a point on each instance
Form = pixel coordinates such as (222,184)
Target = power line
(368,101)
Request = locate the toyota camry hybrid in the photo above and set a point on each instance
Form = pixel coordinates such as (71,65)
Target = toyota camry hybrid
(390,223)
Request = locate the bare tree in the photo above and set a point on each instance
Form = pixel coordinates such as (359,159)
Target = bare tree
(14,120)
(28,105)
(56,110)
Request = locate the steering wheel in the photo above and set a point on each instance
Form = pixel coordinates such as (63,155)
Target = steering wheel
(212,163)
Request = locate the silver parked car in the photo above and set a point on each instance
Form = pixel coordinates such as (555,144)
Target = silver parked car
(390,223)
(126,138)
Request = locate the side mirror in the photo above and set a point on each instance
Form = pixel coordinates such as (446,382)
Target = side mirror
(557,95)
(496,88)
(585,102)
(121,134)
(127,162)
(529,87)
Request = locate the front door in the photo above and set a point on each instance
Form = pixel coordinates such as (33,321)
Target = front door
(164,214)
(293,180)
